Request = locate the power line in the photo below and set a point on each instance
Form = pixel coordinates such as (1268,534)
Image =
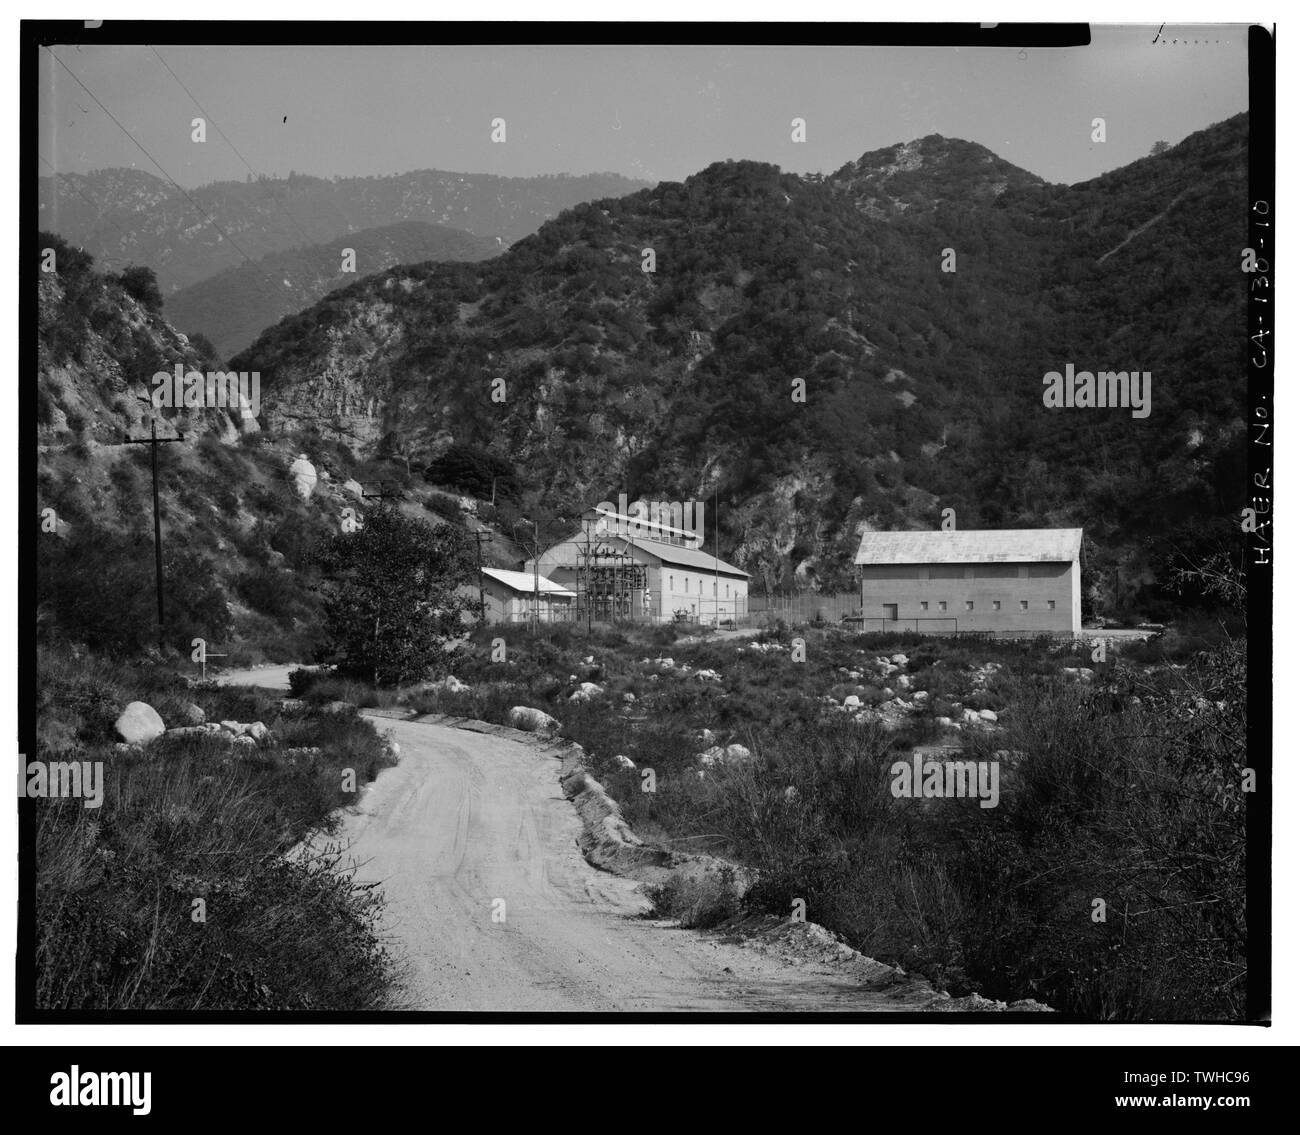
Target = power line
(147,154)
(193,98)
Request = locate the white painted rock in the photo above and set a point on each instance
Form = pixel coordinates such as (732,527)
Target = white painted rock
(899,659)
(708,676)
(139,724)
(532,720)
(988,715)
(353,487)
(450,685)
(625,762)
(852,701)
(586,692)
(303,474)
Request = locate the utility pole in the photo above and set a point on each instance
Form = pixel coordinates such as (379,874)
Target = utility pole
(154,441)
(717,622)
(537,599)
(482,603)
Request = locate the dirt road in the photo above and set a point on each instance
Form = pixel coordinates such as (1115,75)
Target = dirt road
(492,906)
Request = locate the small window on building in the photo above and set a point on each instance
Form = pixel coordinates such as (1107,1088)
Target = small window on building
(924,605)
(997,604)
(728,587)
(969,605)
(943,604)
(1051,604)
(672,583)
(1024,604)
(715,588)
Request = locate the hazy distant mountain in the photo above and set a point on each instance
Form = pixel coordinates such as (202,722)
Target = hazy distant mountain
(127,215)
(233,307)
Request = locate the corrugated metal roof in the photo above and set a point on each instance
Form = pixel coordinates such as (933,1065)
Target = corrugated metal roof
(1006,545)
(689,557)
(523,581)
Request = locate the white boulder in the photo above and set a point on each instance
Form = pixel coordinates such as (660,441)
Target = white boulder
(532,720)
(139,724)
(303,474)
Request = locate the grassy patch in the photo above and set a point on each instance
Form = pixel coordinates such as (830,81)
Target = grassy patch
(179,892)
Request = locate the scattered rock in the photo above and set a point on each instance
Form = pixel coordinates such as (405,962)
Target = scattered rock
(899,659)
(303,474)
(139,724)
(291,703)
(337,707)
(244,740)
(987,715)
(791,794)
(708,676)
(852,702)
(625,762)
(257,730)
(234,728)
(450,685)
(708,737)
(970,716)
(738,753)
(193,714)
(920,695)
(586,692)
(532,720)
(629,698)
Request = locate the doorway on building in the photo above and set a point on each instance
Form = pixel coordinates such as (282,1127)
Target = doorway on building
(891,612)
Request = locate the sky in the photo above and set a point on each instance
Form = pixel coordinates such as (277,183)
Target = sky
(649,112)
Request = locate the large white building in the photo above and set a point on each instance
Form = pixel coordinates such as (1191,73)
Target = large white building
(621,566)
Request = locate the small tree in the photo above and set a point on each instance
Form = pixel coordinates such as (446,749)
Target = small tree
(391,600)
(1158,148)
(140,282)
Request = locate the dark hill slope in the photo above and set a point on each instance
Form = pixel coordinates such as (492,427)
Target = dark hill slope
(923,387)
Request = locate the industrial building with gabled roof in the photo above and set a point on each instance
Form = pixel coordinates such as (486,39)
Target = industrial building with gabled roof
(1008,581)
(619,574)
(514,597)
